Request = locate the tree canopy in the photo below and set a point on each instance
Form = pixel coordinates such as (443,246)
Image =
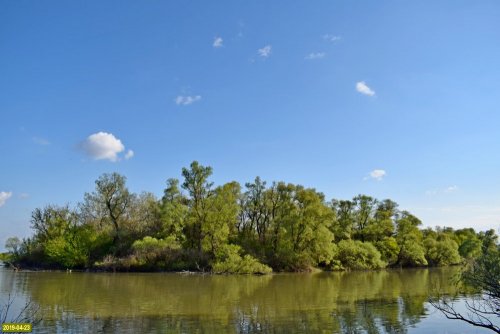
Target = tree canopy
(197,225)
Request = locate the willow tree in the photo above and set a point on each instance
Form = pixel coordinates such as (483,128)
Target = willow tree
(109,204)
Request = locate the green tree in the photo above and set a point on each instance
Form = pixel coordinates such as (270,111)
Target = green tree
(221,215)
(255,215)
(199,189)
(355,254)
(409,238)
(343,225)
(382,225)
(441,251)
(109,204)
(173,212)
(364,207)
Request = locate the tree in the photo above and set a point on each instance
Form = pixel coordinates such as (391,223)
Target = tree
(363,215)
(255,215)
(409,239)
(483,275)
(441,251)
(354,254)
(199,189)
(222,212)
(109,204)
(173,212)
(13,245)
(344,222)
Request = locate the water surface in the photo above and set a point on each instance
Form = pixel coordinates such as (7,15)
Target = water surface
(387,301)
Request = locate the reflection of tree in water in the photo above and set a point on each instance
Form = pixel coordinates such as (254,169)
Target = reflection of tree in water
(372,302)
(380,316)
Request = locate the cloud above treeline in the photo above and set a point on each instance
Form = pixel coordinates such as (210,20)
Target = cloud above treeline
(4,196)
(363,88)
(104,146)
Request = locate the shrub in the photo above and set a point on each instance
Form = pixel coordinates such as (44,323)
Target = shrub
(354,254)
(229,261)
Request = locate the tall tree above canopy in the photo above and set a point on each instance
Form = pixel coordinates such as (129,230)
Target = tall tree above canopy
(109,203)
(363,214)
(199,189)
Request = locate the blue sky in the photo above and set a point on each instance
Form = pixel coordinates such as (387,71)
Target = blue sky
(393,99)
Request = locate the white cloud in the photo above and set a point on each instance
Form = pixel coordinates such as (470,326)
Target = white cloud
(186,100)
(317,55)
(331,38)
(363,88)
(24,195)
(447,190)
(4,196)
(431,192)
(217,42)
(129,154)
(451,189)
(103,146)
(265,51)
(41,141)
(376,174)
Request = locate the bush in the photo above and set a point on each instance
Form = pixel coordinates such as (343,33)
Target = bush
(354,254)
(152,252)
(441,253)
(229,261)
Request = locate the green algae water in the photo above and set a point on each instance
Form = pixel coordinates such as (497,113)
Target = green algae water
(387,301)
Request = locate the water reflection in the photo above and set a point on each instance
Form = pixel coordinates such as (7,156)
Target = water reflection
(371,302)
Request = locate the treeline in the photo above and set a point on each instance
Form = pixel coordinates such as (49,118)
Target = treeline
(226,229)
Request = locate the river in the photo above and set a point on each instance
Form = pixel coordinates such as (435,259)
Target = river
(387,301)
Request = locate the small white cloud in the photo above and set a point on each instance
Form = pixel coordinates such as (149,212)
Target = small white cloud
(376,174)
(451,189)
(129,154)
(431,192)
(317,55)
(186,100)
(24,195)
(4,196)
(41,141)
(217,42)
(331,38)
(437,191)
(363,88)
(265,51)
(103,146)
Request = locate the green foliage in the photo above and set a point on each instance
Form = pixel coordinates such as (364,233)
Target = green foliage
(442,251)
(196,226)
(230,261)
(173,212)
(354,254)
(152,252)
(409,239)
(389,250)
(109,205)
(221,217)
(483,274)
